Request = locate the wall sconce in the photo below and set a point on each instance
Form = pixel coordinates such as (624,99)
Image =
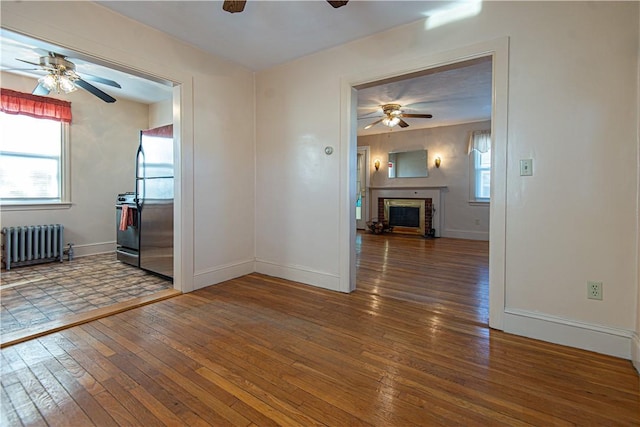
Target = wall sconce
(438,160)
(376,164)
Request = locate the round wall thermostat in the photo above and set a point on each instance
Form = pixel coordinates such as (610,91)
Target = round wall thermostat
(328,151)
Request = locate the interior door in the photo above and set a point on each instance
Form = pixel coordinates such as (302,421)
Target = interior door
(362,188)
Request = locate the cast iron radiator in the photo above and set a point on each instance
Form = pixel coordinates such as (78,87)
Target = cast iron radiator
(32,244)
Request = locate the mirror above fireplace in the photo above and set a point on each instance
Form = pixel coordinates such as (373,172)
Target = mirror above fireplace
(408,164)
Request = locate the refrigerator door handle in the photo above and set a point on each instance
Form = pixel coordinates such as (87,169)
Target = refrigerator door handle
(140,178)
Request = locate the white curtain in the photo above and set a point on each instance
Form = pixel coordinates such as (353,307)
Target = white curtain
(480,140)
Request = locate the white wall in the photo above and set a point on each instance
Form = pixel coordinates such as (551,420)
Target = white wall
(103,141)
(450,143)
(216,189)
(635,349)
(572,108)
(160,113)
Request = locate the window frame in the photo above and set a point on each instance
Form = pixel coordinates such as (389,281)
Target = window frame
(477,172)
(64,183)
(474,171)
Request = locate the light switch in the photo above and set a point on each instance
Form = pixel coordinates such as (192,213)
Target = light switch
(526,167)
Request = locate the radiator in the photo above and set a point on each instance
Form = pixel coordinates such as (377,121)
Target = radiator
(32,244)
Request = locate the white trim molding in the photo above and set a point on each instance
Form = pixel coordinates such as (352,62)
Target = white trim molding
(92,248)
(465,234)
(222,273)
(300,274)
(601,339)
(635,351)
(34,206)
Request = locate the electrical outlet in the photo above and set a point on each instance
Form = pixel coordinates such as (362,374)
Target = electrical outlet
(594,290)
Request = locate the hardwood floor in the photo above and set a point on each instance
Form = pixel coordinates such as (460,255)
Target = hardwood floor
(450,275)
(409,347)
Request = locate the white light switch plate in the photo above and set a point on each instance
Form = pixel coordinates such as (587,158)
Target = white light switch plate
(526,167)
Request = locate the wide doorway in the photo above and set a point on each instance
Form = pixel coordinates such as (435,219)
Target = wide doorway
(43,297)
(489,271)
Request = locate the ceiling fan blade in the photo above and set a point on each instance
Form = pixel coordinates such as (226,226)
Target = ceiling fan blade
(100,80)
(21,69)
(417,116)
(370,115)
(40,90)
(28,62)
(233,6)
(403,124)
(95,91)
(337,4)
(370,125)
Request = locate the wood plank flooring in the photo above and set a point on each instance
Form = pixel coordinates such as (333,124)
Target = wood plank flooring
(409,347)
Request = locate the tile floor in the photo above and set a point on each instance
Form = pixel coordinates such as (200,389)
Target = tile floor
(40,293)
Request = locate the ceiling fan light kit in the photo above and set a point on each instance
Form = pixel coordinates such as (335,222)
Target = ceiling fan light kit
(62,74)
(57,83)
(391,121)
(62,77)
(393,115)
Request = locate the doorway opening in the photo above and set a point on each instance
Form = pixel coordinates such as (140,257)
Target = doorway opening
(174,111)
(497,51)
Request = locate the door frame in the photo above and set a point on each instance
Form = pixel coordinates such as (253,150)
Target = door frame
(182,100)
(498,49)
(365,209)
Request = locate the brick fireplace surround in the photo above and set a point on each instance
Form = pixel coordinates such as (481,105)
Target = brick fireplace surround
(428,210)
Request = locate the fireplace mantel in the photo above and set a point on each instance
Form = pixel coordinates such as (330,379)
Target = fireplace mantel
(422,187)
(410,192)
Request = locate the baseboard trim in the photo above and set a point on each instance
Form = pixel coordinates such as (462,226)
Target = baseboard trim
(222,273)
(299,274)
(466,234)
(93,249)
(601,339)
(635,351)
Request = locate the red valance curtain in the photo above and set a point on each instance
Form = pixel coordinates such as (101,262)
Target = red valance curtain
(40,107)
(162,131)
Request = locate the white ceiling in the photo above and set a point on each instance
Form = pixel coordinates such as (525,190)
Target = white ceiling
(460,93)
(268,33)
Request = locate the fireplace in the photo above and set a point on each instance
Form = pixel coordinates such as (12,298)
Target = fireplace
(431,198)
(411,216)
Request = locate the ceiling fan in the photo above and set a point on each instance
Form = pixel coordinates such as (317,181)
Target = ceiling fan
(393,115)
(233,6)
(62,77)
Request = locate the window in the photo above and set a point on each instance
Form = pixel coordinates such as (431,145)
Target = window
(34,134)
(480,161)
(32,160)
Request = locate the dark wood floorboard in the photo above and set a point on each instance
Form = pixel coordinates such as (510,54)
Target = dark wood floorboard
(410,346)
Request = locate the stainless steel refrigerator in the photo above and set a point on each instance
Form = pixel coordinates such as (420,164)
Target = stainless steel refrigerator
(154,196)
